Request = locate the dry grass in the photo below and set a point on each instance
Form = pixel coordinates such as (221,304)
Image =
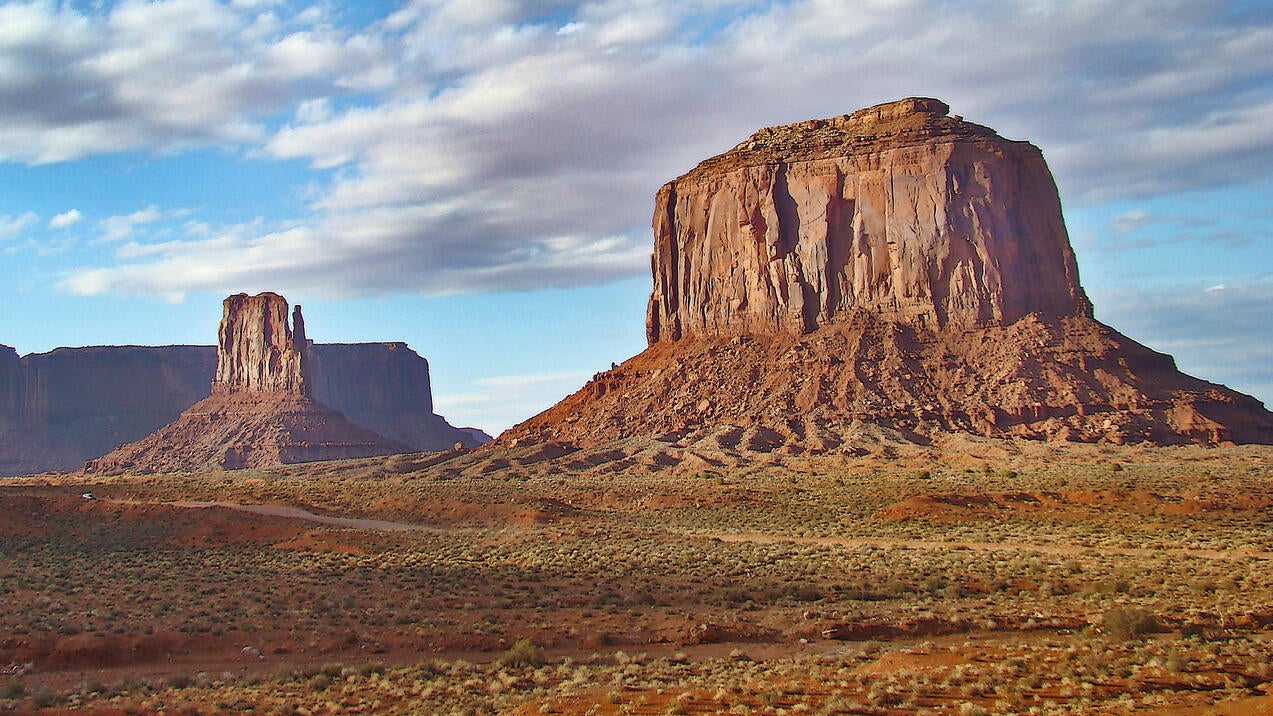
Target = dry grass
(1008,578)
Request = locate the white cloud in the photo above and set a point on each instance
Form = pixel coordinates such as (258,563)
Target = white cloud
(162,75)
(11,226)
(489,134)
(65,219)
(119,227)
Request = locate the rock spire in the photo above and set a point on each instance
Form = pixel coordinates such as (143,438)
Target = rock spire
(260,412)
(257,351)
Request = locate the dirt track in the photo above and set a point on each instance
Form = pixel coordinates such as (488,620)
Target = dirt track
(290,512)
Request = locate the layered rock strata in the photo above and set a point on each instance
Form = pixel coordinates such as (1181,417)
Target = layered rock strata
(900,211)
(895,267)
(260,412)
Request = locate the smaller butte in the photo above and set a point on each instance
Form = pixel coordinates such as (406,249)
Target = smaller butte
(260,412)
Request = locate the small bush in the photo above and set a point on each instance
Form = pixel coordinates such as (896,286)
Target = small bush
(1129,623)
(44,699)
(523,653)
(12,690)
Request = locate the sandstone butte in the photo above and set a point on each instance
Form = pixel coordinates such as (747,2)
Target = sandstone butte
(62,408)
(260,411)
(894,269)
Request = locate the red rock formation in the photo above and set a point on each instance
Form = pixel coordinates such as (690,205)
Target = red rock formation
(260,412)
(256,352)
(62,408)
(898,210)
(895,268)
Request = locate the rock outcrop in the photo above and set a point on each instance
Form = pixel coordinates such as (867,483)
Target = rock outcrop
(899,211)
(256,349)
(896,268)
(260,412)
(62,408)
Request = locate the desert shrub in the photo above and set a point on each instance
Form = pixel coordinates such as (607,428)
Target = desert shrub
(523,653)
(320,682)
(12,690)
(1129,622)
(804,592)
(44,699)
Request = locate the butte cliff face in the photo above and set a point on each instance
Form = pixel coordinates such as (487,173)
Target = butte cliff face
(895,268)
(897,211)
(257,351)
(260,412)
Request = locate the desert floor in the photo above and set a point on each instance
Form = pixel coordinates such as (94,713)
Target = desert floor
(966,577)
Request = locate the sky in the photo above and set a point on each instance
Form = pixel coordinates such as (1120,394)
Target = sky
(476,177)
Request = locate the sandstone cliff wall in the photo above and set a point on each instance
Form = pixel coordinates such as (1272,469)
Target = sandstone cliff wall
(898,211)
(257,352)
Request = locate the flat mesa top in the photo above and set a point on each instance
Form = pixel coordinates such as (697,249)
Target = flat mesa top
(905,122)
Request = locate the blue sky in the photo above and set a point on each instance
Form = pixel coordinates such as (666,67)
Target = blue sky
(475,177)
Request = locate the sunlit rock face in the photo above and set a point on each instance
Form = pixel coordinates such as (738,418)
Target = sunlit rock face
(257,351)
(899,211)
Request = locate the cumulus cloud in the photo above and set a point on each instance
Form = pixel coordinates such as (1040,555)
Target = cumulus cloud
(65,219)
(493,144)
(162,75)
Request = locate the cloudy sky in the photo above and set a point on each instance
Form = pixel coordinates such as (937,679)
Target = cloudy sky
(475,177)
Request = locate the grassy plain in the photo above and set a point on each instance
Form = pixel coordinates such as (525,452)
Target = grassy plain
(969,577)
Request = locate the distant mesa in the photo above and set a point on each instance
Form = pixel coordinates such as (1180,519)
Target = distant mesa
(894,268)
(260,412)
(62,408)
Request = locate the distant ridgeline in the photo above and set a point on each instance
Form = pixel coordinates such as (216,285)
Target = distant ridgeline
(62,408)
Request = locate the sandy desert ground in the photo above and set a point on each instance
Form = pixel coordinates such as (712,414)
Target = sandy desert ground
(971,576)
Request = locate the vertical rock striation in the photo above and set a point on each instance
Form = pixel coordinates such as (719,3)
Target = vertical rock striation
(899,211)
(256,350)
